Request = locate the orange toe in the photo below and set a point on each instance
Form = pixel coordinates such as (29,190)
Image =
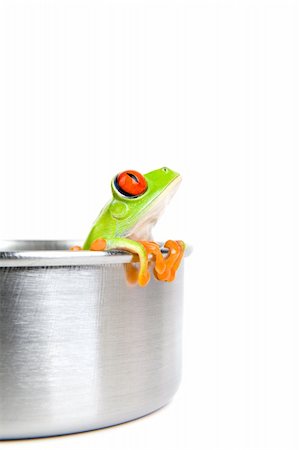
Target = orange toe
(177,261)
(175,255)
(98,245)
(143,278)
(174,250)
(76,248)
(131,273)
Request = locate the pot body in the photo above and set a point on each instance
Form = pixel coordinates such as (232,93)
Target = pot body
(80,349)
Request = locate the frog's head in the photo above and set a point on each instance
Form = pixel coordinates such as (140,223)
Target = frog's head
(138,200)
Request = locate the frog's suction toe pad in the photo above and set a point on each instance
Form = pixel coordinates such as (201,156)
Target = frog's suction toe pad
(98,245)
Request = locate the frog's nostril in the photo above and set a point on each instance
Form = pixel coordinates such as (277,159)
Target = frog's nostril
(164,169)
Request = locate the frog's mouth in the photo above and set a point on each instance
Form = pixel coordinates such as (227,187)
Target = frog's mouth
(142,230)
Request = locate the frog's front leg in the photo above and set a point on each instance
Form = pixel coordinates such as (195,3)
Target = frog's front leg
(129,246)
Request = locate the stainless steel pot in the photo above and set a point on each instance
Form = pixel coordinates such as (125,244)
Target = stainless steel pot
(80,349)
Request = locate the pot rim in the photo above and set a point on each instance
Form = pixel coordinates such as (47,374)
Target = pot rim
(31,253)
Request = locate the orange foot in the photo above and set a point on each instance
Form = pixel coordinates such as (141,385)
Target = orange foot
(165,268)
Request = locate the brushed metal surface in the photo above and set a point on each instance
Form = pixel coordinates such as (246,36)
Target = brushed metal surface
(79,348)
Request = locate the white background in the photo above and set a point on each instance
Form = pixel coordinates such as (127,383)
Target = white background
(209,88)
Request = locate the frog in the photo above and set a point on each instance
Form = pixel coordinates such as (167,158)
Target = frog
(125,223)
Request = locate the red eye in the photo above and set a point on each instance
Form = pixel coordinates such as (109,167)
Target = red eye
(131,183)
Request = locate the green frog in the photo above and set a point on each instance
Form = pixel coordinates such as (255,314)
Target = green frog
(126,223)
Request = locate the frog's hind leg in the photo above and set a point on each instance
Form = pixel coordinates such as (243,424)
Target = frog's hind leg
(129,246)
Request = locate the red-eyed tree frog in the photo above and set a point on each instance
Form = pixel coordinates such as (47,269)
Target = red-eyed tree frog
(126,222)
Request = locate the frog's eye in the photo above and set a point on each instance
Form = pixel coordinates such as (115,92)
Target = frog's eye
(131,183)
